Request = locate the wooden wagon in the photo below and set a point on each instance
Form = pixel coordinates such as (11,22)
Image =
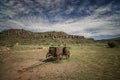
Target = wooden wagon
(58,52)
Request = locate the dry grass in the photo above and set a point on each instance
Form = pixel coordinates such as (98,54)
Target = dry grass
(87,62)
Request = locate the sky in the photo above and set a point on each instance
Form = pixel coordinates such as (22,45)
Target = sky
(98,19)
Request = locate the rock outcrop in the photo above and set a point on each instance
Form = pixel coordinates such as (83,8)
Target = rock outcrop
(52,34)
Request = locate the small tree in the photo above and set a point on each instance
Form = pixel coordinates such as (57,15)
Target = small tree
(112,44)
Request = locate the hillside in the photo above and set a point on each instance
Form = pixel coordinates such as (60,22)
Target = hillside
(13,36)
(112,39)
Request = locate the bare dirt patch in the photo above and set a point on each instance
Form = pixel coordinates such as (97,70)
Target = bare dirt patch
(28,65)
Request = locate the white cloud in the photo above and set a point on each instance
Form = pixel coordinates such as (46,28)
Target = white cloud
(89,26)
(79,26)
(69,10)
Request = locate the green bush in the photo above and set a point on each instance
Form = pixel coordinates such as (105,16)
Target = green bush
(112,44)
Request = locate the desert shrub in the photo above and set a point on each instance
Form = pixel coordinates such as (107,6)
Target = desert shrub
(112,44)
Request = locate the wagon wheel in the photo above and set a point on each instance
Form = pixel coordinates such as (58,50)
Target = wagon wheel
(47,55)
(68,55)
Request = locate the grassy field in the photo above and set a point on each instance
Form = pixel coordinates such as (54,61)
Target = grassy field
(87,62)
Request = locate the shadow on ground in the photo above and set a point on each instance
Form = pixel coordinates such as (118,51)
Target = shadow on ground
(42,62)
(53,60)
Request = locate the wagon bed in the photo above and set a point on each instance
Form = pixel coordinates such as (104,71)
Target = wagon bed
(58,52)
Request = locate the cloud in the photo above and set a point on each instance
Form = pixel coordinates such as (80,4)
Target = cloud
(69,10)
(78,17)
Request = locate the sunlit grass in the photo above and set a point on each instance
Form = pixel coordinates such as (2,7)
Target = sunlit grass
(92,61)
(26,47)
(105,61)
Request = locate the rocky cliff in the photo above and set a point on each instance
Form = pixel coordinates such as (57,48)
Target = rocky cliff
(13,36)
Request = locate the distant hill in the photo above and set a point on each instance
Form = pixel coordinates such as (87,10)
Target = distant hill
(50,34)
(118,38)
(112,39)
(12,36)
